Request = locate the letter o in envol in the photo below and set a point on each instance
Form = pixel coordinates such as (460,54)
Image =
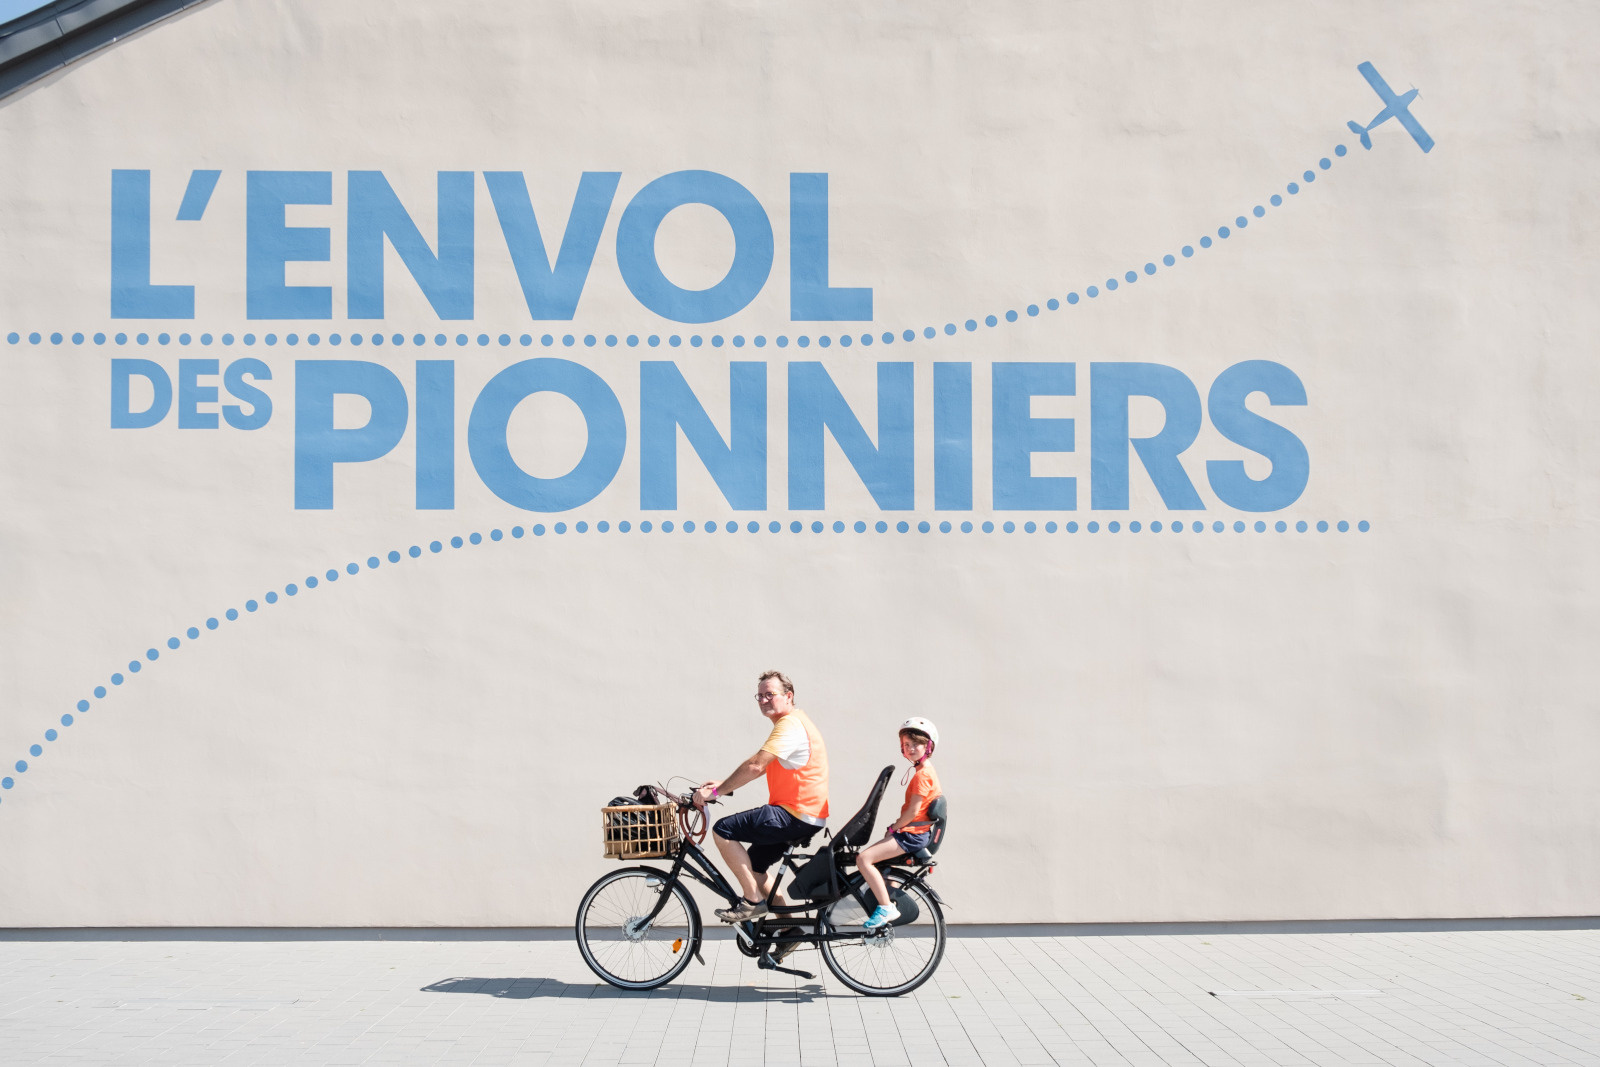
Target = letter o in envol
(491,454)
(752,246)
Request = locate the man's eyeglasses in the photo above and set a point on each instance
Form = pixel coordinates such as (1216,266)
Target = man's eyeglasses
(764,698)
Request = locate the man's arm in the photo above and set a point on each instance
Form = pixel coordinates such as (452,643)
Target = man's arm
(746,772)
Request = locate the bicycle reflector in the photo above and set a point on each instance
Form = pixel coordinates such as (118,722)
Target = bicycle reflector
(677,943)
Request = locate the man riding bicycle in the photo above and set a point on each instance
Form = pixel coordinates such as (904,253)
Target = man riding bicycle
(795,762)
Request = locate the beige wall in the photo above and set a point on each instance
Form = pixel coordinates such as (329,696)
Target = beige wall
(1395,723)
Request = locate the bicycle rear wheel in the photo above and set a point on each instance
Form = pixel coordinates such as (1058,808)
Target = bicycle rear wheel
(889,962)
(613,937)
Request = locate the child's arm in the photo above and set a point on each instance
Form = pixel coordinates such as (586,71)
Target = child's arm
(906,813)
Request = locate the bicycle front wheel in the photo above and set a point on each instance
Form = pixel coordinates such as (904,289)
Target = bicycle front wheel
(616,941)
(889,962)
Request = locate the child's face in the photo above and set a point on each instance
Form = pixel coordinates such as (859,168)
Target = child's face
(913,749)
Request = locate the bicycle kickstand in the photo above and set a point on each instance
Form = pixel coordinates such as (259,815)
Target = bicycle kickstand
(766,964)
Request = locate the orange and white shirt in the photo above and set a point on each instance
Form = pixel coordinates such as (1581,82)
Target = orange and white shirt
(797,779)
(924,786)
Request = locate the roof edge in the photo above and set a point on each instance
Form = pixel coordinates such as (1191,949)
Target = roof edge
(38,44)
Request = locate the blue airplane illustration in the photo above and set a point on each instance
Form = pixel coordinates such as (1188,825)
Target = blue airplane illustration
(1395,106)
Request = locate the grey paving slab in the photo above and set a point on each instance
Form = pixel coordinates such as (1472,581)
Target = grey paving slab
(1495,998)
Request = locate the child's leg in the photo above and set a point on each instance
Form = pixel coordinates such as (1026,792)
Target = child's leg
(868,859)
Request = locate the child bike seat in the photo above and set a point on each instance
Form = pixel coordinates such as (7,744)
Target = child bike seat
(819,875)
(858,831)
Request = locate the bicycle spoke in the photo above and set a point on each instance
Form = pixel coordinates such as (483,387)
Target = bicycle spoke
(623,952)
(895,960)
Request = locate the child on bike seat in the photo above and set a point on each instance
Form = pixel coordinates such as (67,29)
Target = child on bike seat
(909,832)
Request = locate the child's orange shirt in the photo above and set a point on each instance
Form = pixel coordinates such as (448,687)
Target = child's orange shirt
(924,786)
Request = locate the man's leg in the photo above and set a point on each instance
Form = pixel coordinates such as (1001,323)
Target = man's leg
(744,842)
(766,834)
(782,952)
(737,857)
(765,878)
(761,859)
(764,886)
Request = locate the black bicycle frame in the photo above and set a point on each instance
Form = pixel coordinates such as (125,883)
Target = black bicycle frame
(692,861)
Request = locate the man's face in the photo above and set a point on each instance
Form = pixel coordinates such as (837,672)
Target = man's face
(772,700)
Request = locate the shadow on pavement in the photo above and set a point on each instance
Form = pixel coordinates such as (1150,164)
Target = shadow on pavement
(551,988)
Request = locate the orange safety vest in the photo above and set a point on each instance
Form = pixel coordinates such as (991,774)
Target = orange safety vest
(801,791)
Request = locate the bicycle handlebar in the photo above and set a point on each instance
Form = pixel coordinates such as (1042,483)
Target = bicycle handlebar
(685,801)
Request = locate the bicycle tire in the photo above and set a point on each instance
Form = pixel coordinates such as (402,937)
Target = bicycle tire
(629,957)
(886,964)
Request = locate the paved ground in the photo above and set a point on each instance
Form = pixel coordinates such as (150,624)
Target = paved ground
(1480,997)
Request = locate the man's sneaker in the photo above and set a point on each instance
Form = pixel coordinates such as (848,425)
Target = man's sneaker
(742,912)
(886,914)
(781,952)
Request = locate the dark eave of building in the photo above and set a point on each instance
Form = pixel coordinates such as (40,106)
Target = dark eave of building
(44,41)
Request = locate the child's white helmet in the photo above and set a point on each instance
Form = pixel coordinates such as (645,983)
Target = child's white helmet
(922,726)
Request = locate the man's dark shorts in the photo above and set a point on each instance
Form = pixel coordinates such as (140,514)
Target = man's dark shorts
(767,830)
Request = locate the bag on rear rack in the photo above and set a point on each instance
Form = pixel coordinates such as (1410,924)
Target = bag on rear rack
(817,877)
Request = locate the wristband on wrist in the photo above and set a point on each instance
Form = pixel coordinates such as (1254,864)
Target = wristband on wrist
(716,790)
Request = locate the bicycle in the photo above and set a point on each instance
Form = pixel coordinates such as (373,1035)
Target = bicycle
(639,927)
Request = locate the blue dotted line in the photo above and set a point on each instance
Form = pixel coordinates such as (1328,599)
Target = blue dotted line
(695,341)
(817,526)
(611,340)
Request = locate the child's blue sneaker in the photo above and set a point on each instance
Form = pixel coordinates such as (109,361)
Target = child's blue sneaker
(886,914)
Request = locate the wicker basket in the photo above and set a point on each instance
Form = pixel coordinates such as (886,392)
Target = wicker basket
(639,831)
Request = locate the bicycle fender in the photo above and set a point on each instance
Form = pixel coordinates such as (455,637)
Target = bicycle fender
(656,872)
(920,877)
(697,936)
(909,911)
